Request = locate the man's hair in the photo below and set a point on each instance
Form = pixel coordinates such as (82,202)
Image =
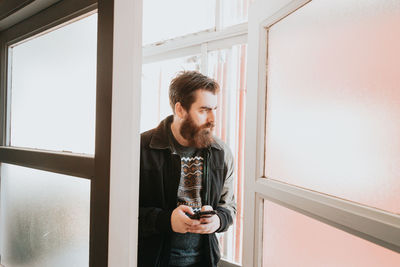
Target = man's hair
(184,86)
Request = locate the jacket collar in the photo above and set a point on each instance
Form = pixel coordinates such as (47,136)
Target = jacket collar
(159,139)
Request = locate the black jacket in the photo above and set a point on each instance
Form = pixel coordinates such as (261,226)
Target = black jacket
(160,172)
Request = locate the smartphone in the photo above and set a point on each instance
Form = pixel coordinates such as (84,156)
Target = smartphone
(201,214)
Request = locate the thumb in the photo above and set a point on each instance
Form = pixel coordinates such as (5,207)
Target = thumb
(186,209)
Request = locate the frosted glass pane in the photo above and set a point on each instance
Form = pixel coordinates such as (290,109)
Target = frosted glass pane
(53,89)
(44,218)
(292,239)
(156,78)
(333,98)
(167,19)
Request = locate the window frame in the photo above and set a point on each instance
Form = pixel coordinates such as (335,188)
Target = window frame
(377,226)
(97,167)
(195,43)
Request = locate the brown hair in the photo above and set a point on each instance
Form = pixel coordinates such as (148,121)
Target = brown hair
(184,86)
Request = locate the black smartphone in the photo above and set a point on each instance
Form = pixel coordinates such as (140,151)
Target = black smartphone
(201,214)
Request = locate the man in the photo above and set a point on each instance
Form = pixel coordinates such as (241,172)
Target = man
(184,169)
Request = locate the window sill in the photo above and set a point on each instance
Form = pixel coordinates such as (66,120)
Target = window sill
(225,263)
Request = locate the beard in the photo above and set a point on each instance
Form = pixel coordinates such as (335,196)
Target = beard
(197,136)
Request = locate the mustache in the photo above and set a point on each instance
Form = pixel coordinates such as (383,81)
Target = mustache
(208,125)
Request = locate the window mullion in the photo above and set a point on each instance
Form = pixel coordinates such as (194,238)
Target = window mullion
(204,58)
(59,162)
(3,94)
(191,43)
(7,99)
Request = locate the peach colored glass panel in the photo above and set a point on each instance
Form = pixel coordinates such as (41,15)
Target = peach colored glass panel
(333,100)
(292,239)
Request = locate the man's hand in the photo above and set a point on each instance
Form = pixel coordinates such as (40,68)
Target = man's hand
(207,225)
(180,222)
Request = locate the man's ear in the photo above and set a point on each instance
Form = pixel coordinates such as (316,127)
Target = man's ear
(180,111)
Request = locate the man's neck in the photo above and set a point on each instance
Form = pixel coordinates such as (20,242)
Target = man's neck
(175,126)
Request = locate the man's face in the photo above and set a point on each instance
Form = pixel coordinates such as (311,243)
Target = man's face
(199,122)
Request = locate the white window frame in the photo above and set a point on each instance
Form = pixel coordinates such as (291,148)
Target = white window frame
(197,43)
(377,226)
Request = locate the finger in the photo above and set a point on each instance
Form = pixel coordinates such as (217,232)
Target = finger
(206,207)
(206,220)
(190,222)
(186,209)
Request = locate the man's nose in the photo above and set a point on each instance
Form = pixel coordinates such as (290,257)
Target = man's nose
(211,116)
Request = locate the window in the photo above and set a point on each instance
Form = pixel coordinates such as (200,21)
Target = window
(43,228)
(55,135)
(216,48)
(177,17)
(51,107)
(337,117)
(228,67)
(321,171)
(52,89)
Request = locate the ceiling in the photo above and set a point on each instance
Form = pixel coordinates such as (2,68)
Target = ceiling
(14,11)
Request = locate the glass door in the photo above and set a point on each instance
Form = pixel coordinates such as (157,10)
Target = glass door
(322,180)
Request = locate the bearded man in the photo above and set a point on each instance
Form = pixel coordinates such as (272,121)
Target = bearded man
(185,170)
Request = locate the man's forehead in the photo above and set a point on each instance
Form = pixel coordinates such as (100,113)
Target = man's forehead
(206,98)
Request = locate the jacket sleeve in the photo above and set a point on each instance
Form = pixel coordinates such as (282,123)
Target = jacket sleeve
(226,209)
